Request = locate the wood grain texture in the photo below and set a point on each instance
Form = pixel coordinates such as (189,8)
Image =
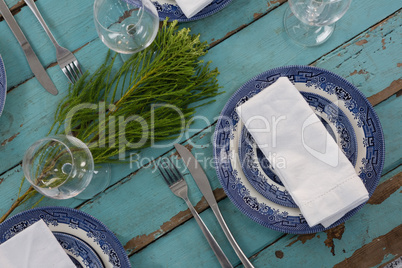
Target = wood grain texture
(393,89)
(138,207)
(388,244)
(139,242)
(385,189)
(71,29)
(339,243)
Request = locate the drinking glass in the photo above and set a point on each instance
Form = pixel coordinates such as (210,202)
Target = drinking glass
(126,26)
(62,167)
(312,22)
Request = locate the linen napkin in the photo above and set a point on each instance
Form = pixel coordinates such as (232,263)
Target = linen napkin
(313,169)
(34,247)
(192,7)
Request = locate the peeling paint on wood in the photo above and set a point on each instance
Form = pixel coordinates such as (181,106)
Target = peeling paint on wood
(228,35)
(385,189)
(188,146)
(14,9)
(382,23)
(381,96)
(361,42)
(303,238)
(9,139)
(334,233)
(358,72)
(390,243)
(257,15)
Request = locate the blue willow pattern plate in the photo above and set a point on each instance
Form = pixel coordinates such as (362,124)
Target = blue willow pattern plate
(3,85)
(261,174)
(368,155)
(170,9)
(73,222)
(80,253)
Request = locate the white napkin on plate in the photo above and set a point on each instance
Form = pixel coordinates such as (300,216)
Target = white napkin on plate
(34,247)
(192,7)
(312,167)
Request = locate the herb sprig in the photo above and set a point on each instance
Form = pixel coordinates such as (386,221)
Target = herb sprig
(169,73)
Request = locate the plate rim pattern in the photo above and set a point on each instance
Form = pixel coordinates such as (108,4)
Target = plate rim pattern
(26,218)
(174,12)
(241,190)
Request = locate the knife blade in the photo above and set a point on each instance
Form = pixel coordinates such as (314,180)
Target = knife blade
(202,182)
(33,60)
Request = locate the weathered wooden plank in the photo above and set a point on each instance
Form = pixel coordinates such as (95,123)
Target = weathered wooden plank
(14,6)
(393,89)
(233,65)
(14,120)
(336,244)
(385,189)
(75,29)
(20,143)
(139,242)
(139,197)
(328,248)
(71,29)
(378,249)
(236,16)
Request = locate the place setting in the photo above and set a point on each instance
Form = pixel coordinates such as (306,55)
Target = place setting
(61,166)
(253,180)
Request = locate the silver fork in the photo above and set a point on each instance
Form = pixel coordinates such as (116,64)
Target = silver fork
(178,185)
(66,60)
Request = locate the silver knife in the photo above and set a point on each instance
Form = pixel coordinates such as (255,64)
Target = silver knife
(33,60)
(202,181)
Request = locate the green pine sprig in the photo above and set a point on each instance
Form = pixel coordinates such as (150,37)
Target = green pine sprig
(168,73)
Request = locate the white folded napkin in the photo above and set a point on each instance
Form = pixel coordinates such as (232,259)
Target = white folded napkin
(192,7)
(34,247)
(313,169)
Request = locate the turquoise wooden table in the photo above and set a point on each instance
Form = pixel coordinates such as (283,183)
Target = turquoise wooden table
(246,38)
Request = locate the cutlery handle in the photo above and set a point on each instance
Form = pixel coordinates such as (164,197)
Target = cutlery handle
(223,260)
(31,4)
(243,258)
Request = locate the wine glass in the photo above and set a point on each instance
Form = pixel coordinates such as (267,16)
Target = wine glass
(311,22)
(62,167)
(126,26)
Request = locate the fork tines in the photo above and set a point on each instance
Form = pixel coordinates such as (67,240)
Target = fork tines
(72,71)
(169,171)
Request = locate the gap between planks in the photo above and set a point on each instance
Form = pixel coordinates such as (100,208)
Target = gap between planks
(138,243)
(15,9)
(383,191)
(388,244)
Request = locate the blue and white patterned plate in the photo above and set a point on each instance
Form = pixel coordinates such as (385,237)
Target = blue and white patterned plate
(261,174)
(3,85)
(343,98)
(73,222)
(170,9)
(80,253)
